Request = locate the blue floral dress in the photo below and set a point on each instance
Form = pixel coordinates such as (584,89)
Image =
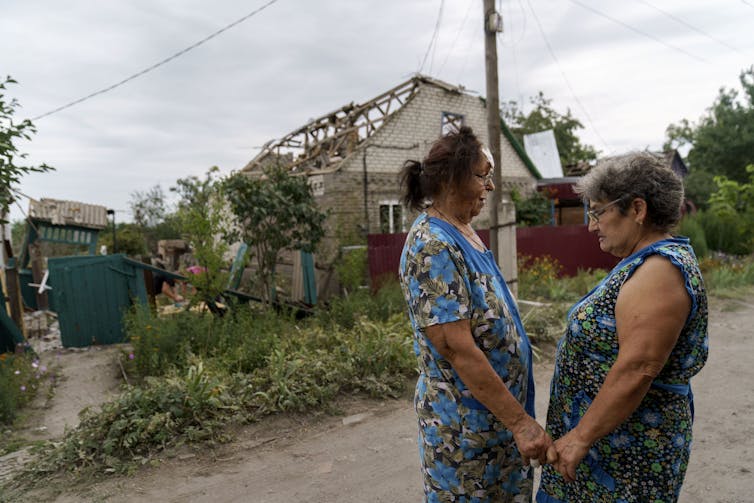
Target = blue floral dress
(467,455)
(645,458)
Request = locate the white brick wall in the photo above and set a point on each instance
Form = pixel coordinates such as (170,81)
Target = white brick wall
(408,134)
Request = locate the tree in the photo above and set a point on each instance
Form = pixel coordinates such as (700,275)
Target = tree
(272,213)
(148,208)
(129,238)
(721,142)
(10,132)
(533,210)
(543,117)
(151,216)
(203,218)
(729,222)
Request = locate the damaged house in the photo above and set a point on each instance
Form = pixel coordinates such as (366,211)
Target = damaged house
(352,156)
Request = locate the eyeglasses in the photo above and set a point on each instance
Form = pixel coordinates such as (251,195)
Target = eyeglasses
(485,179)
(594,214)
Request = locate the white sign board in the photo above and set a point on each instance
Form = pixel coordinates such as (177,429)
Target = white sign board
(317,183)
(543,152)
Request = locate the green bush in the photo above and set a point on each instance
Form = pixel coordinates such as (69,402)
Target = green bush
(533,210)
(21,376)
(380,306)
(240,341)
(729,233)
(352,269)
(691,227)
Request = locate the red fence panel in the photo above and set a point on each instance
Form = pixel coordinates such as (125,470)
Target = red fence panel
(573,246)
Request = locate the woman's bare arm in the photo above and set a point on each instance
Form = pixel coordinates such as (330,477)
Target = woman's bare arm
(456,344)
(650,312)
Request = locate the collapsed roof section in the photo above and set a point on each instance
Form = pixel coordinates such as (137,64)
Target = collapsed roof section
(324,143)
(60,212)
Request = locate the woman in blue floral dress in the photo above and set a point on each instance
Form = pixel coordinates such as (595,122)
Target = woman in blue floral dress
(621,407)
(475,393)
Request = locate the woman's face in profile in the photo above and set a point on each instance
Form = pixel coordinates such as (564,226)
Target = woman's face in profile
(616,232)
(472,195)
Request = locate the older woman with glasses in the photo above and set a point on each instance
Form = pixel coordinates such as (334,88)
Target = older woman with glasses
(621,406)
(475,393)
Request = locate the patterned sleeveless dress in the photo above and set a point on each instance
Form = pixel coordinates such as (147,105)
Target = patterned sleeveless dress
(467,455)
(645,458)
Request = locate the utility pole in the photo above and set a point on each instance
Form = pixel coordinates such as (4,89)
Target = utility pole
(493,24)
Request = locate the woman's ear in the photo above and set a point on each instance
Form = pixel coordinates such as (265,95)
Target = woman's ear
(639,207)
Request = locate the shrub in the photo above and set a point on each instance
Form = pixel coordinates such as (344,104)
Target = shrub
(352,269)
(21,376)
(380,306)
(533,210)
(240,341)
(691,227)
(727,232)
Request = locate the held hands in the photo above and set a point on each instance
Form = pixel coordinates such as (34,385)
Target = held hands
(533,442)
(536,447)
(569,450)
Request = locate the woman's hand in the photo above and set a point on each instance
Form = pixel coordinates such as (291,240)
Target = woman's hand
(532,440)
(571,449)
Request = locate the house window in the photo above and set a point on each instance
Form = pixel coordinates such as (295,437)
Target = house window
(450,123)
(392,218)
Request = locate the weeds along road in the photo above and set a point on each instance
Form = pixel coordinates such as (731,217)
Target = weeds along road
(373,456)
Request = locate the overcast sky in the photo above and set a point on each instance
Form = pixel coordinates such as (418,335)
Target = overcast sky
(626,69)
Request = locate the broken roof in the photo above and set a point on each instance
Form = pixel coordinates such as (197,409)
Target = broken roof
(324,143)
(59,212)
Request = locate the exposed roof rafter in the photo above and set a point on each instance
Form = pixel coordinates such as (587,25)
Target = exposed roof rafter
(325,142)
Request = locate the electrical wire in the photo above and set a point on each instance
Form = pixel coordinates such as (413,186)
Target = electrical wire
(565,77)
(687,25)
(458,34)
(640,32)
(747,3)
(434,36)
(437,39)
(156,65)
(507,27)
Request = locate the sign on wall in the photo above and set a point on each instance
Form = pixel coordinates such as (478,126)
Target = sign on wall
(317,183)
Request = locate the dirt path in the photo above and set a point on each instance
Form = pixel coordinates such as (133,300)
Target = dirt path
(371,455)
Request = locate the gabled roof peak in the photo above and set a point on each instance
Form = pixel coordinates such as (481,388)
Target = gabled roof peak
(324,142)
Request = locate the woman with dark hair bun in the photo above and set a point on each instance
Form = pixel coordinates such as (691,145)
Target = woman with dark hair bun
(475,393)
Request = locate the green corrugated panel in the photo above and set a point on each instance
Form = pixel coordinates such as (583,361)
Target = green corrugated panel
(310,284)
(91,294)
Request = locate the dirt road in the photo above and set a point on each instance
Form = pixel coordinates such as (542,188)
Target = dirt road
(371,454)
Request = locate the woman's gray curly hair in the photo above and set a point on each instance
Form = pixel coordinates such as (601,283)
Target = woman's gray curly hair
(637,174)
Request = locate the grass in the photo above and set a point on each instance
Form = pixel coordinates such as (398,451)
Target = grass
(727,276)
(194,375)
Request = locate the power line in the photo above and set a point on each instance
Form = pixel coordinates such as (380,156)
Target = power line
(565,77)
(156,65)
(640,32)
(747,3)
(687,25)
(458,34)
(434,35)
